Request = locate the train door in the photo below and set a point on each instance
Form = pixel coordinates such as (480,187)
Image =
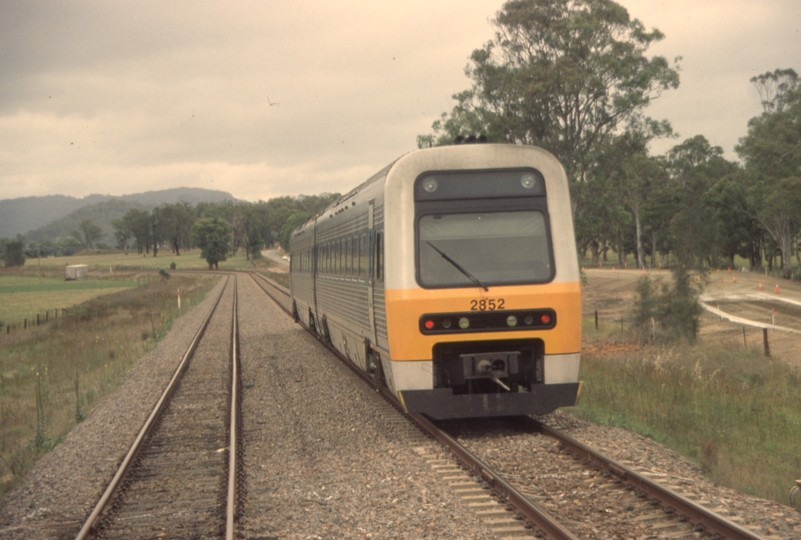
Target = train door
(313,320)
(371,277)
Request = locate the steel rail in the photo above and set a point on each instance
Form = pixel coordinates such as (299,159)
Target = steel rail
(263,279)
(536,518)
(148,425)
(704,520)
(230,514)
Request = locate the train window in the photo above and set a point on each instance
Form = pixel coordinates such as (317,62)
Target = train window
(491,248)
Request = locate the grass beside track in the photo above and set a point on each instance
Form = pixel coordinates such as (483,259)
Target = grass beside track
(23,297)
(51,376)
(737,414)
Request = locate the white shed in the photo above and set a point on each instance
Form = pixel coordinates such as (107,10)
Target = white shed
(75,271)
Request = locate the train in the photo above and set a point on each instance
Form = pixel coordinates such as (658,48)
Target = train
(451,277)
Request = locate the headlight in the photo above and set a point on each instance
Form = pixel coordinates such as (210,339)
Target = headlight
(528,181)
(430,185)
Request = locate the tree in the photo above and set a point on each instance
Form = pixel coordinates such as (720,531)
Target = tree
(292,222)
(739,232)
(135,223)
(121,233)
(176,225)
(88,234)
(14,253)
(694,166)
(213,236)
(771,151)
(562,74)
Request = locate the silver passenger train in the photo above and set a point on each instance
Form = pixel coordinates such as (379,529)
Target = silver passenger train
(451,276)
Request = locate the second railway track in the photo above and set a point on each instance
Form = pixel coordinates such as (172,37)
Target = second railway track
(179,475)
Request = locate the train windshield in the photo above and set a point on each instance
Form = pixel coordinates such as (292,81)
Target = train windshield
(456,250)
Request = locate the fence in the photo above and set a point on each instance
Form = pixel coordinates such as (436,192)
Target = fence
(731,335)
(39,320)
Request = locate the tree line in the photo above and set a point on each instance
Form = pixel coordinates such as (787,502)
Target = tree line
(219,229)
(572,76)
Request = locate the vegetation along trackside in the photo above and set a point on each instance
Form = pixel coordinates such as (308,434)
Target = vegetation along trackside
(51,376)
(736,414)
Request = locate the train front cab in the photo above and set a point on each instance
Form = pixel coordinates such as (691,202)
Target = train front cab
(484,299)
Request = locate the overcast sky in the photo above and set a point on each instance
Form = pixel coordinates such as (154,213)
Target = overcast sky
(268,98)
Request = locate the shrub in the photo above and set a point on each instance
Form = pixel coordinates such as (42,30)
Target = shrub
(669,314)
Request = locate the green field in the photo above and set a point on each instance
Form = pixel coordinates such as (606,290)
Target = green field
(23,297)
(39,287)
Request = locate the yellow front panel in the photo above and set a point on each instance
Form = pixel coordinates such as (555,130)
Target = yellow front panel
(404,308)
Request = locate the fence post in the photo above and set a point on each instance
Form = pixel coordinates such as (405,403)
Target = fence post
(596,319)
(765,339)
(745,345)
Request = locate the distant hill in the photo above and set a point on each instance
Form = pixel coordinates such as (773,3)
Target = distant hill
(102,214)
(26,213)
(54,216)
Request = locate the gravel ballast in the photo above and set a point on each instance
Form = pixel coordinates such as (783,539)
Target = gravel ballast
(324,456)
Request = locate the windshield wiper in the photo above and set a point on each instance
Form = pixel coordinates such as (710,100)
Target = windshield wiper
(456,265)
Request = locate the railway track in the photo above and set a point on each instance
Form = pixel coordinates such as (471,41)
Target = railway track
(179,478)
(655,511)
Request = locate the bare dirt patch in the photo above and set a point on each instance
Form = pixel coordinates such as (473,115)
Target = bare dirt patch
(749,296)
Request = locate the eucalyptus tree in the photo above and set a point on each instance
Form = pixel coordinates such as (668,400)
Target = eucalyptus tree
(739,232)
(14,252)
(135,223)
(771,151)
(176,225)
(694,166)
(561,74)
(213,236)
(88,233)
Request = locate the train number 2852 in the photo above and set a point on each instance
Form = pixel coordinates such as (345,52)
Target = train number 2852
(486,304)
